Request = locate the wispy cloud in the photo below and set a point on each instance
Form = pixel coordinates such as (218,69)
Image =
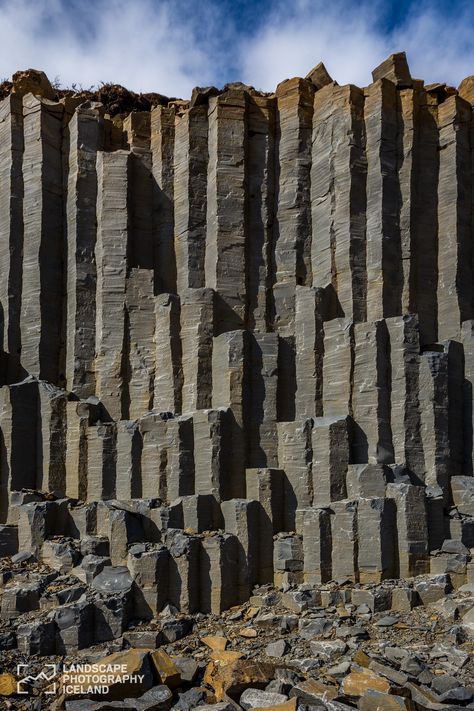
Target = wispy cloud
(170,46)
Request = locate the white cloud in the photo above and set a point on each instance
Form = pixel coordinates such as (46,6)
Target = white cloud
(169,46)
(350,41)
(144,45)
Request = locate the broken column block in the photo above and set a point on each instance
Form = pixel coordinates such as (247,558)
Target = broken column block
(180,459)
(288,560)
(455,275)
(149,570)
(11,226)
(52,402)
(412,530)
(405,418)
(376,529)
(456,395)
(372,441)
(229,389)
(190,186)
(330,445)
(141,349)
(309,345)
(162,148)
(260,194)
(319,76)
(262,413)
(201,512)
(154,457)
(141,243)
(197,323)
(395,69)
(33,526)
(218,572)
(86,137)
(295,456)
(124,528)
(241,518)
(314,525)
(42,286)
(101,461)
(338,197)
(462,488)
(344,540)
(434,408)
(111,260)
(337,366)
(212,452)
(183,590)
(467,338)
(168,370)
(225,252)
(128,468)
(8,540)
(366,480)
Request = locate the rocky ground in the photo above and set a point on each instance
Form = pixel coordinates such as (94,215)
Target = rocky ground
(339,645)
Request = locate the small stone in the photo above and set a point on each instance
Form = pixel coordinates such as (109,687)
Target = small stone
(255,698)
(22,557)
(217,644)
(329,649)
(387,621)
(7,684)
(166,669)
(277,649)
(248,632)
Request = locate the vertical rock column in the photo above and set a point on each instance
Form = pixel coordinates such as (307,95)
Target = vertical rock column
(384,263)
(86,137)
(455,277)
(295,456)
(372,439)
(225,264)
(345,544)
(292,229)
(180,479)
(101,461)
(309,305)
(314,525)
(140,349)
(218,573)
(467,336)
(266,486)
(162,148)
(229,388)
(197,323)
(405,417)
(338,197)
(376,526)
(412,529)
(241,519)
(11,226)
(212,452)
(41,310)
(77,421)
(262,412)
(338,367)
(111,259)
(435,419)
(331,454)
(260,196)
(129,450)
(168,368)
(154,461)
(190,187)
(18,440)
(51,465)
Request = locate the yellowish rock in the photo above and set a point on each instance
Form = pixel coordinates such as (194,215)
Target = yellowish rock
(358,682)
(232,679)
(7,684)
(290,705)
(118,667)
(217,644)
(166,669)
(248,632)
(227,656)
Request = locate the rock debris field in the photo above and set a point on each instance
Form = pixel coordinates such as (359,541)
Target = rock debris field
(236,396)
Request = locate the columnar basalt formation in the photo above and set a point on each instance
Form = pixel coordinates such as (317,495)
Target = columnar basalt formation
(237,332)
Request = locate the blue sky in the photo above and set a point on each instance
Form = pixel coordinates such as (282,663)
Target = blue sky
(170,46)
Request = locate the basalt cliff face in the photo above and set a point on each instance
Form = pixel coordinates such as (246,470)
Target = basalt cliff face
(237,335)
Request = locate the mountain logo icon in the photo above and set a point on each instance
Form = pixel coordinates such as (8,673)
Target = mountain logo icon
(26,681)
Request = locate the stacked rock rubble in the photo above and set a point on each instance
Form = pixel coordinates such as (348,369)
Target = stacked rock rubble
(237,339)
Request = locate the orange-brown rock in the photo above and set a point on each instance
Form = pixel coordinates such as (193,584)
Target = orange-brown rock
(166,669)
(233,678)
(359,681)
(7,684)
(32,81)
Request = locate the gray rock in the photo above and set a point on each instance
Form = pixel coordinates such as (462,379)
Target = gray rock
(255,698)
